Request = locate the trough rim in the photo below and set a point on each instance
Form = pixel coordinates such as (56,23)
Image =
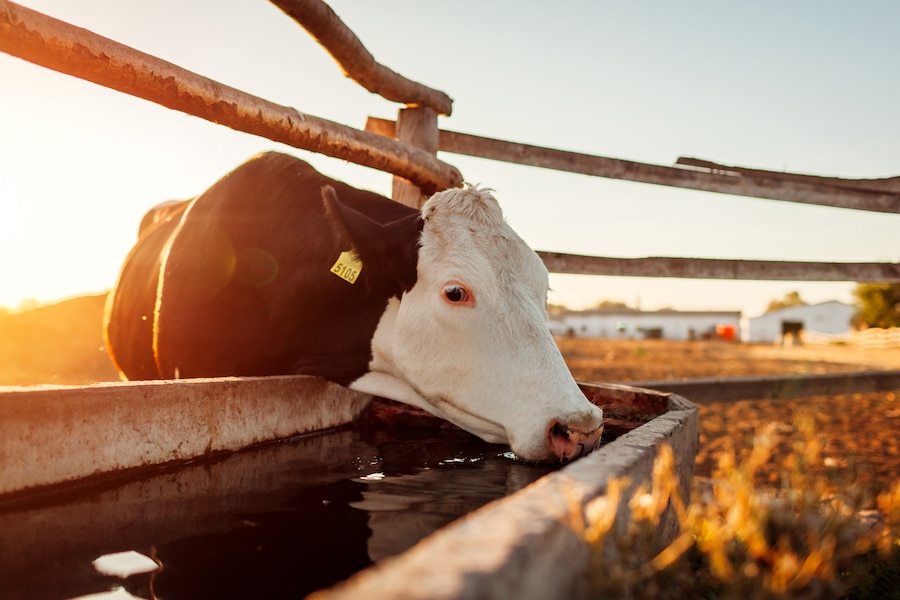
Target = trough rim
(53,437)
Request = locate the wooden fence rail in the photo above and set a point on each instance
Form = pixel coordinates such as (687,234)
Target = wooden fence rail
(712,268)
(790,187)
(876,337)
(57,45)
(888,184)
(323,24)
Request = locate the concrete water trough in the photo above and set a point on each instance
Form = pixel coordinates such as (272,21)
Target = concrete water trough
(171,443)
(523,546)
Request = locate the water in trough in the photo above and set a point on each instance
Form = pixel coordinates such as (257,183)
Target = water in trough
(280,520)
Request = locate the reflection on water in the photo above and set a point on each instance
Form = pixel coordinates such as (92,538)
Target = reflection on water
(280,520)
(125,564)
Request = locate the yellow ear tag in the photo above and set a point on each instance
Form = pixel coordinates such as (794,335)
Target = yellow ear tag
(348,266)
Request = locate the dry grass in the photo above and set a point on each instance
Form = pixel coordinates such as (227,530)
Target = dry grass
(805,539)
(859,436)
(646,360)
(781,485)
(859,433)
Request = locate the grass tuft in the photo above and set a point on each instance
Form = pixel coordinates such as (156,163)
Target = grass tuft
(806,538)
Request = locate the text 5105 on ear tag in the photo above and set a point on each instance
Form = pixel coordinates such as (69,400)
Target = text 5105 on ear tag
(348,266)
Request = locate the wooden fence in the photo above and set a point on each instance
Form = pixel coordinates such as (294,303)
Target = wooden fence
(876,338)
(408,147)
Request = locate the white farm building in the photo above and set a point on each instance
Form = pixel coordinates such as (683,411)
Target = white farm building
(627,323)
(827,319)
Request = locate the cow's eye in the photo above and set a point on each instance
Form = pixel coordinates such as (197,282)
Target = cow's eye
(456,293)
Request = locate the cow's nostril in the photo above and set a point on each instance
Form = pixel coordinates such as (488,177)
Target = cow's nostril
(559,430)
(567,443)
(562,445)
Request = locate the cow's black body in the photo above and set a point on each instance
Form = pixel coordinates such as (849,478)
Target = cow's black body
(238,281)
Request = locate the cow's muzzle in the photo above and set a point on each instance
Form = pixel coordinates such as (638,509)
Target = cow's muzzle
(567,443)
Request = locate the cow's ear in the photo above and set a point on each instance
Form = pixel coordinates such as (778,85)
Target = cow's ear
(389,251)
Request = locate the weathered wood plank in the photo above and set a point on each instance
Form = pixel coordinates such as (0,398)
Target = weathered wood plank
(416,127)
(57,45)
(756,184)
(323,24)
(710,268)
(891,184)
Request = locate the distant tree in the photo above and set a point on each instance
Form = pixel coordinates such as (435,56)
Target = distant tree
(555,309)
(791,299)
(610,304)
(878,304)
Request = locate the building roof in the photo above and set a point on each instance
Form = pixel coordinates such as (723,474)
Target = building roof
(801,308)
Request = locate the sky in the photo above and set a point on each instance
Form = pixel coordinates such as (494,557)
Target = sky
(806,86)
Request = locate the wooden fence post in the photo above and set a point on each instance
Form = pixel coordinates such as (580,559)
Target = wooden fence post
(416,126)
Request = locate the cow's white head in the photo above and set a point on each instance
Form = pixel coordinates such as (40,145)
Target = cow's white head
(470,339)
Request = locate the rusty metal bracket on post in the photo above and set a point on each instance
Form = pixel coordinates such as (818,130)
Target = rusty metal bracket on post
(57,45)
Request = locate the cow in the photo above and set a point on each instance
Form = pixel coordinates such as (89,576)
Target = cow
(278,269)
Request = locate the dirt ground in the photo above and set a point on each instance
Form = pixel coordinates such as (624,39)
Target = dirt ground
(62,344)
(859,433)
(645,360)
